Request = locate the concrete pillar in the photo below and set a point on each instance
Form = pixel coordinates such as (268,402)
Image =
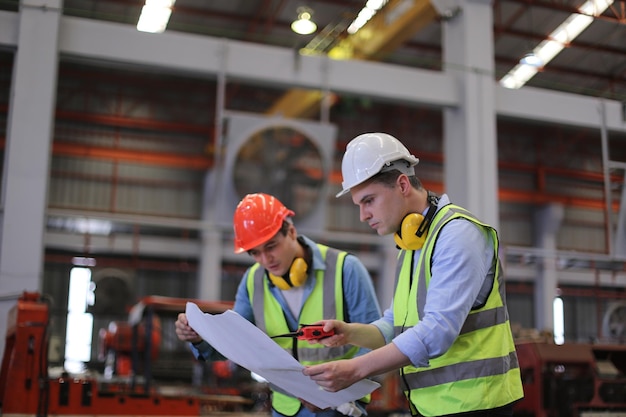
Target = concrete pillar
(620,232)
(27,152)
(210,270)
(385,284)
(209,278)
(470,143)
(547,223)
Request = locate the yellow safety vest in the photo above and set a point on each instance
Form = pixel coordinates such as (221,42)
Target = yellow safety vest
(320,305)
(480,370)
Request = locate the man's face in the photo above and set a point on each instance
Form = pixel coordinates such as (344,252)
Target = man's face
(380,206)
(277,254)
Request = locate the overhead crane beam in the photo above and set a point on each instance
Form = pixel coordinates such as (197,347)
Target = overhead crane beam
(297,103)
(386,31)
(393,25)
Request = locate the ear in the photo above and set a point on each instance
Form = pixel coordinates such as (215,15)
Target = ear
(404,185)
(291,231)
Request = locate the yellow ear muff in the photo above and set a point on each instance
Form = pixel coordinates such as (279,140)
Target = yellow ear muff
(297,272)
(407,237)
(414,228)
(295,278)
(280,282)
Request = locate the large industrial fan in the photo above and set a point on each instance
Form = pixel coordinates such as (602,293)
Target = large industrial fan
(284,162)
(287,158)
(614,322)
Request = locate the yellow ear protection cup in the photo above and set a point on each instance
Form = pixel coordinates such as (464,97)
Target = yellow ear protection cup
(413,230)
(411,235)
(294,278)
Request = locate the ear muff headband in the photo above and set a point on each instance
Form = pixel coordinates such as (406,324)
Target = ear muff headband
(414,227)
(294,278)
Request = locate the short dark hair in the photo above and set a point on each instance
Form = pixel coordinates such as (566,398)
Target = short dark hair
(388,179)
(285,227)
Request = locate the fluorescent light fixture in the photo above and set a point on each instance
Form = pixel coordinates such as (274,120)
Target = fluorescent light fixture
(367,12)
(375,4)
(303,25)
(154,16)
(532,60)
(556,41)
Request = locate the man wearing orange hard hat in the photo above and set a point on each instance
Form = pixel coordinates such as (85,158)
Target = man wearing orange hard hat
(300,282)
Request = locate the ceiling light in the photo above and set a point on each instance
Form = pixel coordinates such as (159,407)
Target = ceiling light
(518,76)
(375,4)
(556,41)
(303,25)
(154,16)
(367,12)
(532,60)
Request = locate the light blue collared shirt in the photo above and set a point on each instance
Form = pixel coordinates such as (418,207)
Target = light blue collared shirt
(462,277)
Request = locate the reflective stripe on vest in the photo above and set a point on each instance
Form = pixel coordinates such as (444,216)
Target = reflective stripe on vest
(473,362)
(464,370)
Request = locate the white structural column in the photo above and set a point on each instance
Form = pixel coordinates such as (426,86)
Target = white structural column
(27,152)
(209,277)
(547,223)
(210,266)
(619,247)
(386,283)
(470,145)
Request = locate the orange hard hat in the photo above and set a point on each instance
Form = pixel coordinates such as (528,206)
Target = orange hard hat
(258,217)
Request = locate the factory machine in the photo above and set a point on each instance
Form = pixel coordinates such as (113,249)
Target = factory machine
(572,380)
(28,387)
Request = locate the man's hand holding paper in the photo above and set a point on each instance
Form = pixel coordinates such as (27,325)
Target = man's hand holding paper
(246,345)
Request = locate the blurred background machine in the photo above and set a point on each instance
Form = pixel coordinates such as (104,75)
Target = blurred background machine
(135,376)
(572,380)
(125,383)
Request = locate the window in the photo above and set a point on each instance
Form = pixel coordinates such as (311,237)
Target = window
(79,322)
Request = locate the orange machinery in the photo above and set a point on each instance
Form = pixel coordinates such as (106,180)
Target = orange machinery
(389,399)
(27,388)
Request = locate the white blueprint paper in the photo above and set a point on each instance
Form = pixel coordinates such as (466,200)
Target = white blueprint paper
(246,345)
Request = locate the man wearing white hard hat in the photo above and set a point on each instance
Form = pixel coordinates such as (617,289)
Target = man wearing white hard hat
(447,330)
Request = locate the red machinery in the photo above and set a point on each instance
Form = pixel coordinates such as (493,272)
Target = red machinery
(117,344)
(389,399)
(572,380)
(27,388)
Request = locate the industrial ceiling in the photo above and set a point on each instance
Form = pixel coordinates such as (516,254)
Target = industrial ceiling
(593,64)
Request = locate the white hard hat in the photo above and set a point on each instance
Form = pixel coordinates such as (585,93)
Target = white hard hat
(371,153)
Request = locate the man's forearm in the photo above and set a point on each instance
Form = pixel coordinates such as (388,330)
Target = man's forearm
(379,361)
(365,335)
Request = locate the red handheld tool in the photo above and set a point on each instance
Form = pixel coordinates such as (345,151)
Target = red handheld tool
(308,332)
